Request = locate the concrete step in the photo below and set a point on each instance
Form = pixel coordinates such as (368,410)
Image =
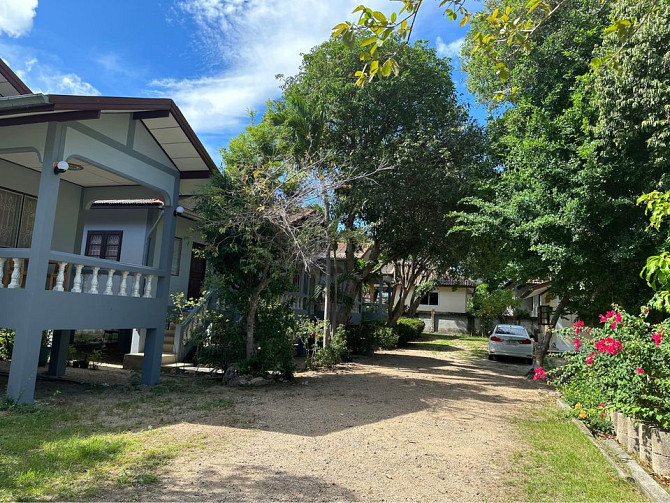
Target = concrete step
(133,361)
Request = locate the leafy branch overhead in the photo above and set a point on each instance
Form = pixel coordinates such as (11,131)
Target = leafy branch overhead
(499,29)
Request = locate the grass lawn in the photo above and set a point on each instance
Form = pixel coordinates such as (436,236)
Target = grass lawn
(562,464)
(472,347)
(79,447)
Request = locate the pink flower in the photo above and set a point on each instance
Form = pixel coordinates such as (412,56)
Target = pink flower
(589,358)
(640,370)
(608,345)
(657,338)
(646,310)
(539,374)
(613,316)
(578,326)
(602,414)
(577,344)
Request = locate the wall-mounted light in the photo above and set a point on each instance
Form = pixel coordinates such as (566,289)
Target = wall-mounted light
(60,167)
(178,211)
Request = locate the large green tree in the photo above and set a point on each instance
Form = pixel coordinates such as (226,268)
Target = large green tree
(575,151)
(257,224)
(408,146)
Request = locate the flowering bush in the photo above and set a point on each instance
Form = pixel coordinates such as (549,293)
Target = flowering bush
(625,366)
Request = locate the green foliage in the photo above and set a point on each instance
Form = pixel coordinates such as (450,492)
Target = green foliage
(6,343)
(409,137)
(332,354)
(222,342)
(634,378)
(657,269)
(492,304)
(575,151)
(409,329)
(275,336)
(386,338)
(181,306)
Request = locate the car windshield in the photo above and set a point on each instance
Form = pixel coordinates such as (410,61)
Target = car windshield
(511,331)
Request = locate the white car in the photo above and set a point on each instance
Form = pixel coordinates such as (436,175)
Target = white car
(510,340)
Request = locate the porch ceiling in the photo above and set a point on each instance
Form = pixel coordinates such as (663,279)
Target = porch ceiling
(161,116)
(90,176)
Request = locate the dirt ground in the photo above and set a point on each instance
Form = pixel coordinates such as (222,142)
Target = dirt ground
(424,423)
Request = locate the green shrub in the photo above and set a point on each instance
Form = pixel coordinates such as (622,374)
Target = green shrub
(332,354)
(361,338)
(223,343)
(6,343)
(386,338)
(275,332)
(622,365)
(409,329)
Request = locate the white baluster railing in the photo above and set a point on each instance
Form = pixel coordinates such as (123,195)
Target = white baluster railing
(60,277)
(122,280)
(16,274)
(147,287)
(93,288)
(124,284)
(77,282)
(110,282)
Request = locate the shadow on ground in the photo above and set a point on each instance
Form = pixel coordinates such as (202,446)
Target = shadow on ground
(374,389)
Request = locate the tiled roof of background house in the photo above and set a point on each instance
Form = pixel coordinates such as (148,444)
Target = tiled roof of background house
(449,280)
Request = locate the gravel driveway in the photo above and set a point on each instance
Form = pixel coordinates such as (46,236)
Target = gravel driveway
(424,423)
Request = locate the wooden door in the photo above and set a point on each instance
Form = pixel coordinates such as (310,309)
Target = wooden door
(196,276)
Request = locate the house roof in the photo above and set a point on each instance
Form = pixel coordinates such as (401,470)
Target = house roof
(449,280)
(10,83)
(533,287)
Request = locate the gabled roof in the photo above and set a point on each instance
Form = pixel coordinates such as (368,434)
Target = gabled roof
(10,83)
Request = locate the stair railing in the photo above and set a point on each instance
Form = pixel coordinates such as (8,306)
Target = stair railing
(185,330)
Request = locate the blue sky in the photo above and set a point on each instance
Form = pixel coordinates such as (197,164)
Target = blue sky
(216,58)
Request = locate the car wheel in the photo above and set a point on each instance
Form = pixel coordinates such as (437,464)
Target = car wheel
(492,357)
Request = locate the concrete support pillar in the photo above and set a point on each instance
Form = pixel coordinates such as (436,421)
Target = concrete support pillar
(23,370)
(59,350)
(153,345)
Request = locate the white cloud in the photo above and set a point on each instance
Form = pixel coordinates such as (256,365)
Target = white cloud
(255,40)
(16,17)
(451,49)
(43,76)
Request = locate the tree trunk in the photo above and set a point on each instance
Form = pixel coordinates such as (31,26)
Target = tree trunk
(253,309)
(542,349)
(335,287)
(326,292)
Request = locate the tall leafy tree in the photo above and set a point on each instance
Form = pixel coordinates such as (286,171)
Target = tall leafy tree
(408,143)
(257,224)
(576,150)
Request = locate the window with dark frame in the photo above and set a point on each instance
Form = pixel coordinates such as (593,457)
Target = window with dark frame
(176,257)
(17,217)
(104,244)
(430,299)
(544,315)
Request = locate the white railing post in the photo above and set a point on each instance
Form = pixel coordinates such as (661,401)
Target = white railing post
(16,273)
(136,284)
(60,277)
(123,285)
(147,287)
(2,271)
(94,281)
(77,282)
(110,282)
